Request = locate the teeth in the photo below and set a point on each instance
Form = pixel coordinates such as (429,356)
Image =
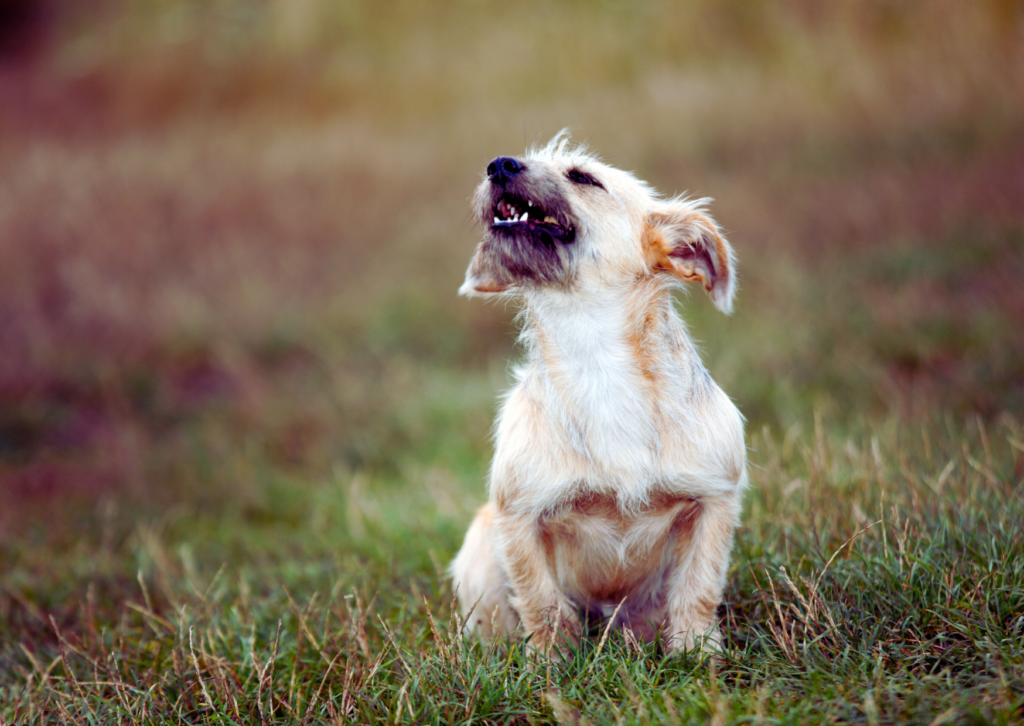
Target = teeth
(506,213)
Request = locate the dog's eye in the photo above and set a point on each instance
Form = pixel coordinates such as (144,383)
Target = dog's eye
(581,177)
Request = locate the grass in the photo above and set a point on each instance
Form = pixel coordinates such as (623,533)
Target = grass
(244,418)
(877,579)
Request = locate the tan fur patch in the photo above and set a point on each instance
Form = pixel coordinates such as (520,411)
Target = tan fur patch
(644,315)
(658,249)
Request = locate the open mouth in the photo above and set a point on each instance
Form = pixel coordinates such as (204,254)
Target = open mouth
(515,213)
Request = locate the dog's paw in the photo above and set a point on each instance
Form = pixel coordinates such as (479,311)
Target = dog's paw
(554,648)
(556,638)
(707,644)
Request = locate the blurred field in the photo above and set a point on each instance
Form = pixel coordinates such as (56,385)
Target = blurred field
(231,234)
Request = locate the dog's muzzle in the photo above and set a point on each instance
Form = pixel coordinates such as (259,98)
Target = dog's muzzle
(519,210)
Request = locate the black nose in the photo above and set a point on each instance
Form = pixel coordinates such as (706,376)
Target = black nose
(503,168)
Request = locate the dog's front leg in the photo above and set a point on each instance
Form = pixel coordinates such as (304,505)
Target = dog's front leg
(696,584)
(546,614)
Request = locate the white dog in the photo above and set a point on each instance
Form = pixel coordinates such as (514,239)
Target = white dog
(619,463)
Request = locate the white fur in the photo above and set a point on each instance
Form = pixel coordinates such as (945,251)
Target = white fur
(584,419)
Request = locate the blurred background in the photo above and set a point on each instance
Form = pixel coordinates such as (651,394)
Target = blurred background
(232,231)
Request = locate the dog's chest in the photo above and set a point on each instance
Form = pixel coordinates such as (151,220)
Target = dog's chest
(594,387)
(601,553)
(607,406)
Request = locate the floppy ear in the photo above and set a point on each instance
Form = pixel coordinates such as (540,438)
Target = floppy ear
(687,243)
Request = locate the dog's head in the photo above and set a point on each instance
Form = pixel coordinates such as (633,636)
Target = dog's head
(558,217)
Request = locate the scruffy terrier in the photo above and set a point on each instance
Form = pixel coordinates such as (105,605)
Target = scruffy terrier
(619,463)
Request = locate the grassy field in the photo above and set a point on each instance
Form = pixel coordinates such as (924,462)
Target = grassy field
(244,417)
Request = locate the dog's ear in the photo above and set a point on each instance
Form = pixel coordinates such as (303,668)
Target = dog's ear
(687,243)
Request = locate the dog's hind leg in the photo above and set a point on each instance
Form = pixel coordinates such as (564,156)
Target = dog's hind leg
(482,586)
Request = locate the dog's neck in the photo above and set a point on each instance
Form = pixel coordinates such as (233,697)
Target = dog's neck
(612,365)
(630,331)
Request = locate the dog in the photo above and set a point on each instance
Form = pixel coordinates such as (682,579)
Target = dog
(619,464)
